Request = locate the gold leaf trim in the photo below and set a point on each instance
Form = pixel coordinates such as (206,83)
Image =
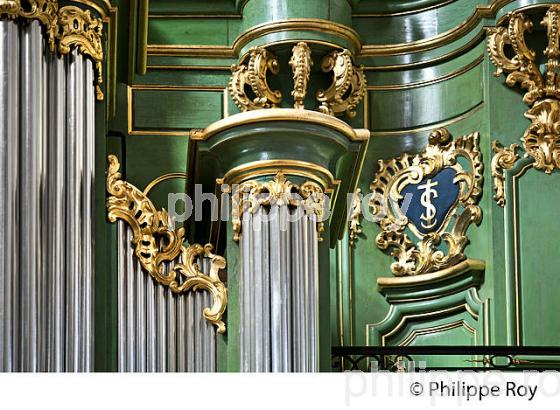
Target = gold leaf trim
(156,243)
(393,175)
(250,195)
(504,158)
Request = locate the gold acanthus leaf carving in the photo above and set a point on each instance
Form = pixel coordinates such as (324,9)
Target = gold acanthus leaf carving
(249,87)
(348,86)
(250,195)
(541,140)
(157,244)
(504,158)
(79,29)
(301,64)
(394,174)
(354,225)
(43,10)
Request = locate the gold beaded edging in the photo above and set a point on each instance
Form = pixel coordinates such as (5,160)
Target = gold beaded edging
(66,27)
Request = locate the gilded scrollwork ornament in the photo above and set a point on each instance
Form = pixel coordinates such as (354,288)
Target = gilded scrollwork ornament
(44,11)
(504,158)
(249,87)
(301,64)
(356,214)
(249,196)
(541,140)
(65,27)
(78,28)
(347,88)
(156,244)
(433,196)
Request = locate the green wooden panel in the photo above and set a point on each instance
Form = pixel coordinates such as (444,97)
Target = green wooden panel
(219,31)
(175,110)
(405,108)
(539,259)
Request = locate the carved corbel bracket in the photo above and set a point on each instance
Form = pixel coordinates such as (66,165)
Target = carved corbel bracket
(301,64)
(156,244)
(348,86)
(541,140)
(249,87)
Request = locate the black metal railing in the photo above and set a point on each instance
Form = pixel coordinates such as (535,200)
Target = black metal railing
(430,358)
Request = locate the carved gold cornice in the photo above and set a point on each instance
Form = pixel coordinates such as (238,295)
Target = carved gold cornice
(348,86)
(396,174)
(253,75)
(79,29)
(250,195)
(66,27)
(504,158)
(354,225)
(301,64)
(541,140)
(156,244)
(43,10)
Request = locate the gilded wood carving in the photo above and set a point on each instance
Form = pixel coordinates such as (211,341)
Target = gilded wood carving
(155,244)
(66,27)
(250,195)
(541,140)
(434,196)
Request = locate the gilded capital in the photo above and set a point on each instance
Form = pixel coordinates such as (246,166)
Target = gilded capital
(250,195)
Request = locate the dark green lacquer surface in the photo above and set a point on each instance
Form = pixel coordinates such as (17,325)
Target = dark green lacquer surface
(426,66)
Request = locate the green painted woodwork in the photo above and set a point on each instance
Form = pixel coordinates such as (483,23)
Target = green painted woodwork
(440,80)
(175,110)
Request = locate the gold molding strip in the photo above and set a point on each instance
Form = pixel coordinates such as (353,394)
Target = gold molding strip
(303,24)
(154,87)
(156,243)
(423,83)
(281,114)
(404,12)
(449,36)
(432,61)
(433,277)
(425,128)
